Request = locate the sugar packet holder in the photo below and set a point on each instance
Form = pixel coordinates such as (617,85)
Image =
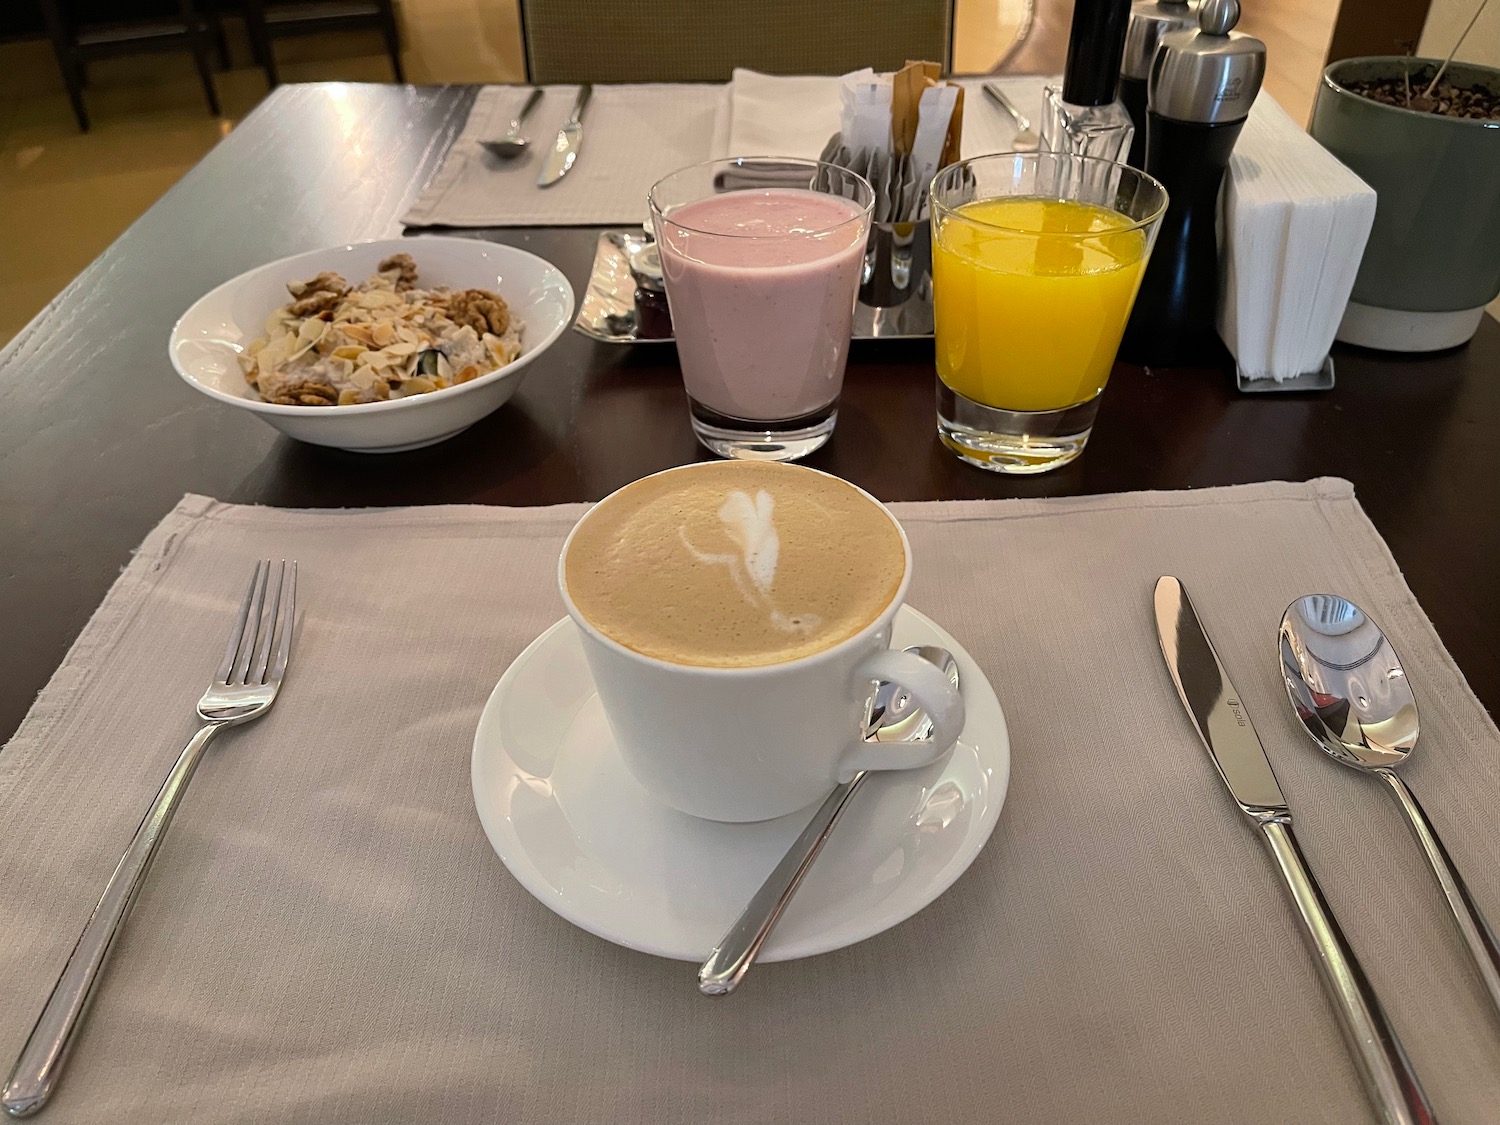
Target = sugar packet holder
(897,131)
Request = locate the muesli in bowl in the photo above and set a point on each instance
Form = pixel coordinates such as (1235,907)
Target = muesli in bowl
(337,344)
(469,315)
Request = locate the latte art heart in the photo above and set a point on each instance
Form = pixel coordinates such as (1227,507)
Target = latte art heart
(752,527)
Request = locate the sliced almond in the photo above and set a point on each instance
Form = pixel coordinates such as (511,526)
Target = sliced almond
(378,359)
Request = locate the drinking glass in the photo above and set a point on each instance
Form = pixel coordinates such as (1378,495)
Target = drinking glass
(761,258)
(1037,258)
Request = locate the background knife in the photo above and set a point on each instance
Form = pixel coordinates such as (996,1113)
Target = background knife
(564,151)
(1223,724)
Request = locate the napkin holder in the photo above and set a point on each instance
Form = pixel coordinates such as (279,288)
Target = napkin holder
(1320,380)
(898,255)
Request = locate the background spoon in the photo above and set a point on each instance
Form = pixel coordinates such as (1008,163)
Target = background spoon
(894,717)
(1351,693)
(513,143)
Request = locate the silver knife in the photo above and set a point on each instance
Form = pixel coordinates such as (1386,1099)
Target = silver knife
(1224,726)
(564,151)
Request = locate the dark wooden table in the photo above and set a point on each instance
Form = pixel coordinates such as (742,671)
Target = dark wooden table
(99,438)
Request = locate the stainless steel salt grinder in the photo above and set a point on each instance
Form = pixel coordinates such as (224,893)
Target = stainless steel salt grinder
(1150,20)
(1199,93)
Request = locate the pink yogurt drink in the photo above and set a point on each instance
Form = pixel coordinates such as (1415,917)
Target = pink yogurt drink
(761,284)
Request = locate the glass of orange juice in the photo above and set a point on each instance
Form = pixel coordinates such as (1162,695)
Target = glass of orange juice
(1036,259)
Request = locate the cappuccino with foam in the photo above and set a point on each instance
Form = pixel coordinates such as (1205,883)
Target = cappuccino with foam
(734,564)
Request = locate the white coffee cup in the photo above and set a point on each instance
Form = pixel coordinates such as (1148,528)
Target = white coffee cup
(751,743)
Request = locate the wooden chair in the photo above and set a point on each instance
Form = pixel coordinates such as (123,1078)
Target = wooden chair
(214,12)
(704,40)
(78,45)
(268,22)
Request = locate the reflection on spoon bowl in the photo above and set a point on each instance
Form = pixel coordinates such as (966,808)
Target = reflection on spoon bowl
(507,147)
(1346,684)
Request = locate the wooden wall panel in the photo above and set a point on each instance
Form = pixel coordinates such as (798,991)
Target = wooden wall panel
(1377,27)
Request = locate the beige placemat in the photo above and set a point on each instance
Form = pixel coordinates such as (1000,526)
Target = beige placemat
(632,137)
(327,936)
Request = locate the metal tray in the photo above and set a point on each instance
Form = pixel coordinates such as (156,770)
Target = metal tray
(614,312)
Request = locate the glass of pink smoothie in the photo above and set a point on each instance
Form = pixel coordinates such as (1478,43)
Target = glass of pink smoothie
(761,258)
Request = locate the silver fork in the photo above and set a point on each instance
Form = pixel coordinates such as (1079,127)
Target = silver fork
(243,689)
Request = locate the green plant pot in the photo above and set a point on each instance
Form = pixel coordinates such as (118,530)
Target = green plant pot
(1432,263)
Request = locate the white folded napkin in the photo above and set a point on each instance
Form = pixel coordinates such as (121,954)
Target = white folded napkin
(1294,230)
(774,115)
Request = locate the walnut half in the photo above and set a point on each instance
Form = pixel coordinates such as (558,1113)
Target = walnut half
(480,309)
(305,394)
(327,281)
(403,267)
(317,294)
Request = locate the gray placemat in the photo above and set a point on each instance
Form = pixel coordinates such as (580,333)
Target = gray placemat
(632,137)
(635,134)
(328,937)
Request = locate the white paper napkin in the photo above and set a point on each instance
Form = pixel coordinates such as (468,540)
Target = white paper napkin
(1294,231)
(774,115)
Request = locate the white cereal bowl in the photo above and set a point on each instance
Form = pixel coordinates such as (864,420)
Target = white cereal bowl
(207,340)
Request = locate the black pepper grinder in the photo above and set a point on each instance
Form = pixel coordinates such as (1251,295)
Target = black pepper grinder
(1149,21)
(1201,87)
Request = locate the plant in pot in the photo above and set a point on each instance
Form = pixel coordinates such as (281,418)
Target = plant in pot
(1425,134)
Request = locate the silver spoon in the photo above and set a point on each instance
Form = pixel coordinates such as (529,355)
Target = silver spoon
(1350,691)
(513,144)
(894,717)
(1025,139)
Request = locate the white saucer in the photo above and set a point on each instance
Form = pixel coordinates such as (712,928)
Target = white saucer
(579,832)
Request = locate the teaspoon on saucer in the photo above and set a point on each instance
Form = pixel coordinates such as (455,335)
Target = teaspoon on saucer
(513,144)
(1349,689)
(894,717)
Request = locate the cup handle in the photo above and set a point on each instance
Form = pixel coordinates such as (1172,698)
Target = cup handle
(937,696)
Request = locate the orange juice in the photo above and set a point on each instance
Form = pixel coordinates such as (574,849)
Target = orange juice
(1030,299)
